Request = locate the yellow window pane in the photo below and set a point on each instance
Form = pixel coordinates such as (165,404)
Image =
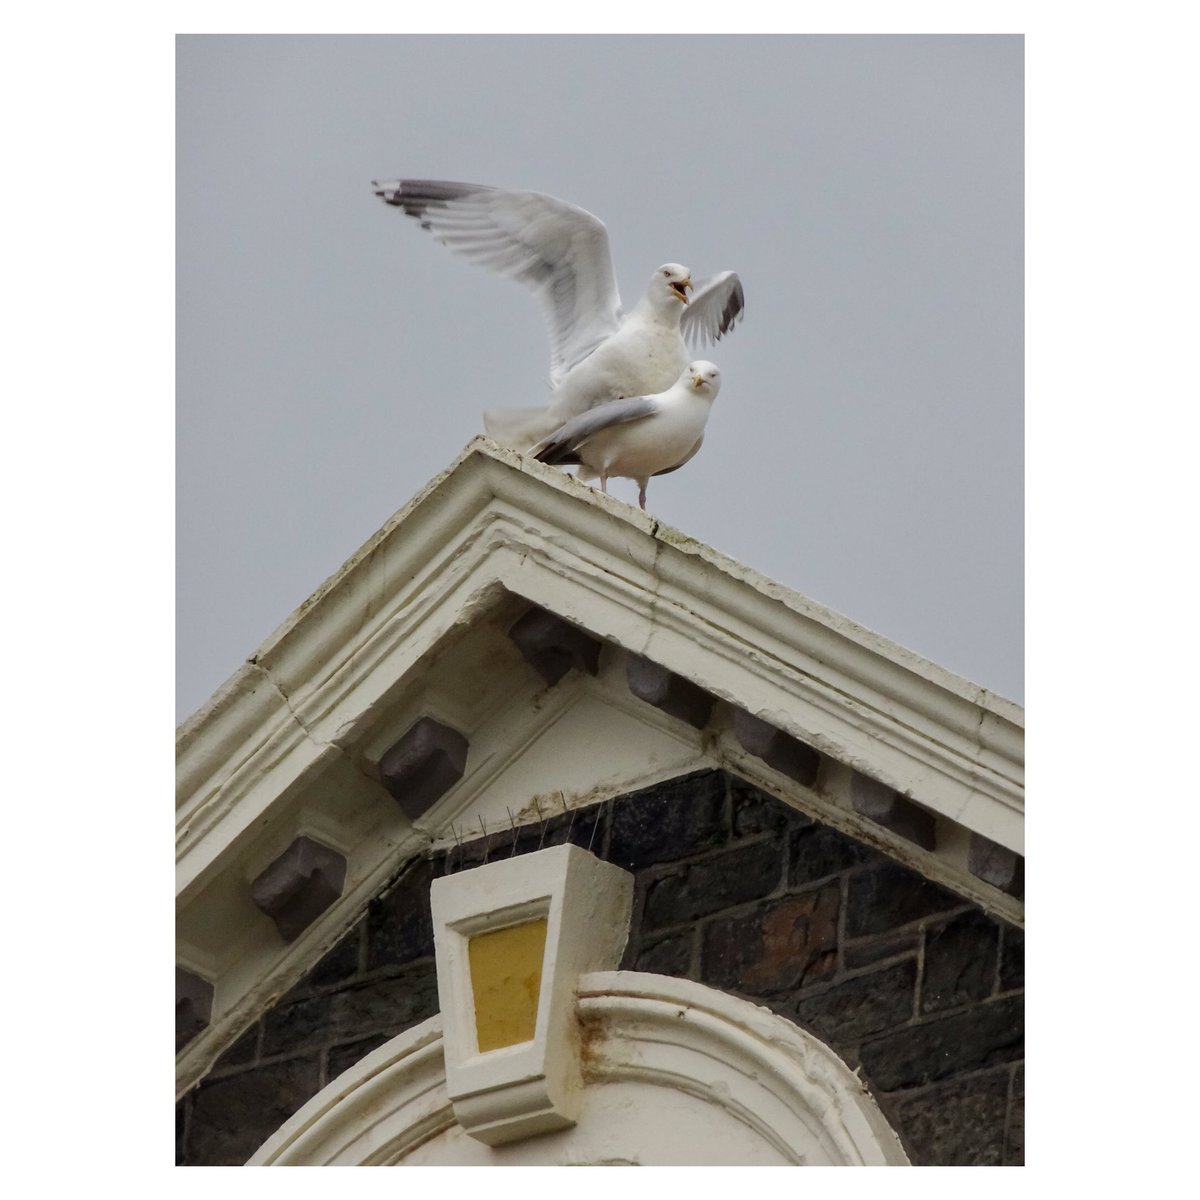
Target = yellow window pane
(506,976)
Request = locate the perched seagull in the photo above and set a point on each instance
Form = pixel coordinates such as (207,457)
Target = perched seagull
(597,351)
(638,437)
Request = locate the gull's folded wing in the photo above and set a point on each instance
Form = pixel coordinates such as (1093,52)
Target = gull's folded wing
(562,447)
(683,462)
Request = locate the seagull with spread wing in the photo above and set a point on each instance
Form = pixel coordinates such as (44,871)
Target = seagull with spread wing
(637,437)
(598,352)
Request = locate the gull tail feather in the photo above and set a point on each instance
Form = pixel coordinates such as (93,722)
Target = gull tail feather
(519,428)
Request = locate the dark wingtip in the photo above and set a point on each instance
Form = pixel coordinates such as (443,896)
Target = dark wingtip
(734,311)
(416,195)
(556,454)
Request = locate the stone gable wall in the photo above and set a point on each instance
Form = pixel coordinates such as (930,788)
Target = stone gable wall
(920,990)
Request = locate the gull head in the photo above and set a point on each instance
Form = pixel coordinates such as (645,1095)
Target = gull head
(704,377)
(671,282)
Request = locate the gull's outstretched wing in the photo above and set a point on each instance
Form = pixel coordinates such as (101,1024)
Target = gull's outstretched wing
(562,447)
(717,304)
(557,250)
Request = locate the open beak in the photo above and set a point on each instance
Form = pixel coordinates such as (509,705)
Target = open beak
(681,289)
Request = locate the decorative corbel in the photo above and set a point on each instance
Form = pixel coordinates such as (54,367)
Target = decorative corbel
(512,938)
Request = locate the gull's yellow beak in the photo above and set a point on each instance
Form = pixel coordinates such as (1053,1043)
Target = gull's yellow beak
(681,289)
(697,380)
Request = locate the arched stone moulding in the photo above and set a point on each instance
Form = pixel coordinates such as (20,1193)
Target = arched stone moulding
(791,1097)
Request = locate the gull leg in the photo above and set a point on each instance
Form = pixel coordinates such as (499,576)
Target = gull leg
(642,493)
(604,484)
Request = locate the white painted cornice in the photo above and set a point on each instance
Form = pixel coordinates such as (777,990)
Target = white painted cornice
(414,624)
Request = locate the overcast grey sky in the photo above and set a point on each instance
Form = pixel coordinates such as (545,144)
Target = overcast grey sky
(866,447)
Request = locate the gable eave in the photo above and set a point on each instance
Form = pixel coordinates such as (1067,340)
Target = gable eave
(327,692)
(497,520)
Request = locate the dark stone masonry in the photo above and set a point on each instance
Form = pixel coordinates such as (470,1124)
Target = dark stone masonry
(918,988)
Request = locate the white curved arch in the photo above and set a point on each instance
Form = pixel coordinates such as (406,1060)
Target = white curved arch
(775,1077)
(766,1090)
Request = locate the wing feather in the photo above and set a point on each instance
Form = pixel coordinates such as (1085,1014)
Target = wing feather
(562,447)
(716,306)
(557,250)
